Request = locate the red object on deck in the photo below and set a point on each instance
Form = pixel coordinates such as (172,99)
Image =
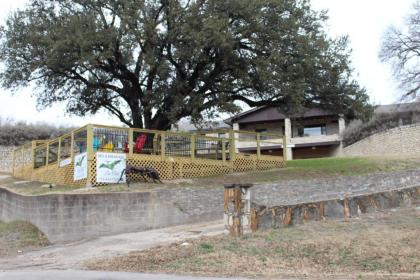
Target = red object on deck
(140,142)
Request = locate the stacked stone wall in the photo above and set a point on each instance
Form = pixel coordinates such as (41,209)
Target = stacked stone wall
(403,140)
(6,158)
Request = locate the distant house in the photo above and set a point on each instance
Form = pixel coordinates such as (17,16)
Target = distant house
(405,113)
(315,133)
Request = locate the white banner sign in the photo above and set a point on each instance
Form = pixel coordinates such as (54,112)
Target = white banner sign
(80,167)
(65,162)
(109,167)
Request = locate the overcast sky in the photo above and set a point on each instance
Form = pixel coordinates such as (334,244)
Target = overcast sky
(363,20)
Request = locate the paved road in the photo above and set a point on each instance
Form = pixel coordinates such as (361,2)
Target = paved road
(72,256)
(93,275)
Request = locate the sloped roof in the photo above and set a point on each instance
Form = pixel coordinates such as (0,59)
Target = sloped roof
(267,113)
(398,108)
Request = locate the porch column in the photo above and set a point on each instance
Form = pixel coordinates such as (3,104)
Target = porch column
(341,124)
(235,127)
(287,151)
(341,127)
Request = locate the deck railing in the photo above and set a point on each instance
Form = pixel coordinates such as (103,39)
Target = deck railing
(220,145)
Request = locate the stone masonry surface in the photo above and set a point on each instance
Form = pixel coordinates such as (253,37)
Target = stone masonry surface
(301,191)
(400,140)
(6,158)
(68,217)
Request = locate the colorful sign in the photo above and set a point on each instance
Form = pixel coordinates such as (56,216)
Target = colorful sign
(80,167)
(109,167)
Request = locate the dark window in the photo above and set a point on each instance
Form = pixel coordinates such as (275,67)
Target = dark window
(313,130)
(262,131)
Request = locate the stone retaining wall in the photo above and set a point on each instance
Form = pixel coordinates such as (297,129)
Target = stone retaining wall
(403,140)
(263,217)
(6,158)
(70,217)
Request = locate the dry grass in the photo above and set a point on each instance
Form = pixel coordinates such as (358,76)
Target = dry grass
(19,236)
(383,245)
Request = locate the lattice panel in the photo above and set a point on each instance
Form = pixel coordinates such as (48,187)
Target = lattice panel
(244,163)
(170,168)
(203,169)
(56,175)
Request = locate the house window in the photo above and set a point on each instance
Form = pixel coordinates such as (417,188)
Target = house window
(313,130)
(262,131)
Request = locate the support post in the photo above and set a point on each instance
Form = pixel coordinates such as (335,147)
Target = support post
(232,148)
(192,146)
(223,153)
(237,208)
(284,150)
(59,152)
(33,146)
(163,145)
(47,156)
(130,141)
(72,146)
(90,154)
(258,146)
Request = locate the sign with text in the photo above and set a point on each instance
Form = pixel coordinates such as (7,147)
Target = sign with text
(109,167)
(80,166)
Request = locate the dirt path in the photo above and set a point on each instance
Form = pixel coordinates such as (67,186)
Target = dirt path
(71,256)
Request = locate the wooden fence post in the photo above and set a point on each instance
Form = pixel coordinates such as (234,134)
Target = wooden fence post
(47,156)
(163,145)
(130,141)
(90,154)
(72,146)
(59,152)
(223,153)
(258,146)
(192,146)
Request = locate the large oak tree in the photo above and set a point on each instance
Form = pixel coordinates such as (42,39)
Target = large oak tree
(153,62)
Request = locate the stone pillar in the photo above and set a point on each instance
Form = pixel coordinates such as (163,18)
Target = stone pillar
(237,208)
(287,151)
(341,125)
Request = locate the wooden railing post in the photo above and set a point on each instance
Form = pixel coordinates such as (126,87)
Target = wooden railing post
(90,154)
(223,152)
(59,152)
(284,150)
(192,146)
(163,145)
(130,141)
(258,146)
(232,148)
(47,156)
(33,146)
(72,146)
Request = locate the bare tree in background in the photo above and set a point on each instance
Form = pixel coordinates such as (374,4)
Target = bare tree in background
(401,47)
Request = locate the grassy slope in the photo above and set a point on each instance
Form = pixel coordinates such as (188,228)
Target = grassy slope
(296,169)
(19,236)
(379,243)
